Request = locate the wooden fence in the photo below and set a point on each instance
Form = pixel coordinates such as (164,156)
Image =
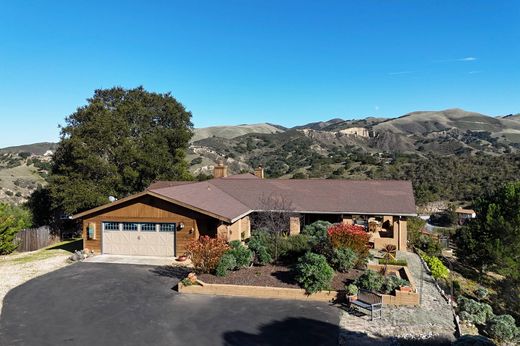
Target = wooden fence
(35,238)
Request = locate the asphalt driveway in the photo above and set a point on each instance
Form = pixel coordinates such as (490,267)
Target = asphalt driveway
(121,304)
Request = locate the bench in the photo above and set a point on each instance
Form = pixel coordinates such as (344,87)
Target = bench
(369,301)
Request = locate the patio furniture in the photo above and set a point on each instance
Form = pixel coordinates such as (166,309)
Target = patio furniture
(369,301)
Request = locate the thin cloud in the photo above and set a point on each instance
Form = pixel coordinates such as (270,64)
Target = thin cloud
(474,72)
(397,73)
(465,59)
(468,58)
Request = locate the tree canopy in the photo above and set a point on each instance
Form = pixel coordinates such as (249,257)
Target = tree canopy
(492,240)
(116,145)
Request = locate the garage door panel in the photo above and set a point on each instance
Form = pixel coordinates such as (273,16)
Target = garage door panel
(143,243)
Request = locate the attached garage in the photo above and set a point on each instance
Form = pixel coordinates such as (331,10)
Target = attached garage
(145,239)
(144,225)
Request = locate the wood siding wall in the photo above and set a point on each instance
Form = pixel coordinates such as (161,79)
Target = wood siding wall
(151,209)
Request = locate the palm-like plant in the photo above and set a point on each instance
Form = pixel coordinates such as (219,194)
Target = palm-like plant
(389,252)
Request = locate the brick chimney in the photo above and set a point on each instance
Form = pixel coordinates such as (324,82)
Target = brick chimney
(220,170)
(259,172)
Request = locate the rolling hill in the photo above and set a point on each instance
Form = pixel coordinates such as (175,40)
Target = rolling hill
(234,131)
(336,148)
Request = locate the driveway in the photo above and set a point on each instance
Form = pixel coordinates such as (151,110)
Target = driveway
(121,304)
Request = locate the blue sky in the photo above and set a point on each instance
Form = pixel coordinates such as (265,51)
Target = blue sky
(247,61)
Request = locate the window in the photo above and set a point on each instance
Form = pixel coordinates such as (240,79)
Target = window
(91,231)
(148,227)
(167,227)
(129,226)
(111,226)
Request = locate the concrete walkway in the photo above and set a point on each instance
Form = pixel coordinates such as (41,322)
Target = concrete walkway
(139,260)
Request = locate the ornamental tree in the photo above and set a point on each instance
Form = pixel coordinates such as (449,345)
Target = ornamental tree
(350,236)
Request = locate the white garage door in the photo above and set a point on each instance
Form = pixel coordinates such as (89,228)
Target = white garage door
(141,239)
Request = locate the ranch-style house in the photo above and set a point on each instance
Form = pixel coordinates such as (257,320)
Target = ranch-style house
(161,220)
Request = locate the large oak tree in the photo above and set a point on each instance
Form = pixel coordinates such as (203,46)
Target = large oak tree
(116,145)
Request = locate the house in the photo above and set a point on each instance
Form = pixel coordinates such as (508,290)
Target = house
(465,215)
(163,219)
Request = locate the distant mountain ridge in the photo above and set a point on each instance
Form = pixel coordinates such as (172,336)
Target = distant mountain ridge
(335,147)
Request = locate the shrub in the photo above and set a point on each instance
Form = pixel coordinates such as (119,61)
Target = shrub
(370,280)
(12,220)
(206,253)
(313,273)
(502,328)
(289,247)
(473,311)
(439,270)
(481,292)
(227,262)
(243,256)
(429,245)
(392,282)
(261,255)
(393,262)
(186,282)
(343,259)
(350,236)
(294,246)
(351,290)
(317,229)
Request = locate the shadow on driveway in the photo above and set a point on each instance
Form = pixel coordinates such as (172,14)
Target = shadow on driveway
(121,304)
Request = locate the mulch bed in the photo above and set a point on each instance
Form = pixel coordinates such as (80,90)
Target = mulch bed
(273,276)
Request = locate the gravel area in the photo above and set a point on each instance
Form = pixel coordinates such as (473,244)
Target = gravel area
(274,276)
(18,268)
(432,322)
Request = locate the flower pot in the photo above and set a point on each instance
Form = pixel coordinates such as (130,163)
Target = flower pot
(405,289)
(181,258)
(352,298)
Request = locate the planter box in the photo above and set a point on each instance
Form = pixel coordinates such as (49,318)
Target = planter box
(260,292)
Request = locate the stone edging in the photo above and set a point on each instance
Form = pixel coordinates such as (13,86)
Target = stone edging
(259,292)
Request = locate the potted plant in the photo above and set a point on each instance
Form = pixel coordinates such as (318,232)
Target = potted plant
(351,290)
(182,258)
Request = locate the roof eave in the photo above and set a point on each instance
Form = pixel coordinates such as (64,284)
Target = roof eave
(150,193)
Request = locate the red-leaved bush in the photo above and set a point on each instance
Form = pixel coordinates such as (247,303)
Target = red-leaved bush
(206,252)
(350,236)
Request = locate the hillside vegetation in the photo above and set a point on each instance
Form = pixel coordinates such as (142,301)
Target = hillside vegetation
(449,155)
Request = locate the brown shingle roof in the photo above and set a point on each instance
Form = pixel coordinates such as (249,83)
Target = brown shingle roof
(233,197)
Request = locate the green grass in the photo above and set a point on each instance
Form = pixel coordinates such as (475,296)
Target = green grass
(64,247)
(36,256)
(393,262)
